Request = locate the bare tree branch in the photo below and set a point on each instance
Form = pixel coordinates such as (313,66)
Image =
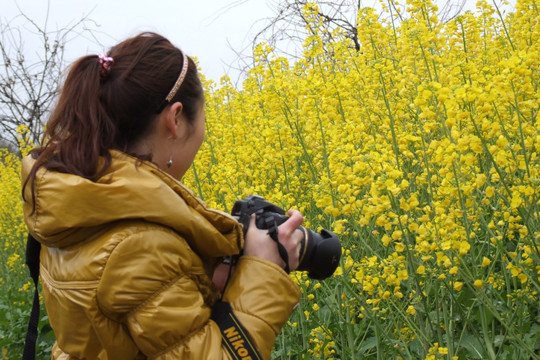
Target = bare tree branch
(29,80)
(287,29)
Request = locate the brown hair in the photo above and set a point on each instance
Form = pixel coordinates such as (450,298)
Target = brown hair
(101,110)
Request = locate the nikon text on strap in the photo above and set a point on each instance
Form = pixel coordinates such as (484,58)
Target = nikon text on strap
(33,248)
(235,337)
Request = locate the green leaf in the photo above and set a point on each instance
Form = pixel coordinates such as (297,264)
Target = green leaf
(473,347)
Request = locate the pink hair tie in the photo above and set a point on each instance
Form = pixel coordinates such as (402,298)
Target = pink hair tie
(105,62)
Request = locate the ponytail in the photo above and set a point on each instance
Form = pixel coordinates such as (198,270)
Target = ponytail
(79,131)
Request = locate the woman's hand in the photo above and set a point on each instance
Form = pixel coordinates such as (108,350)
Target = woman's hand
(259,243)
(221,275)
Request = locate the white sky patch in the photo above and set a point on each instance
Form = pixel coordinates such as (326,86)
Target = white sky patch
(208,30)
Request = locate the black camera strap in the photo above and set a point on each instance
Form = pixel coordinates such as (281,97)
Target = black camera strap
(235,337)
(273,233)
(33,248)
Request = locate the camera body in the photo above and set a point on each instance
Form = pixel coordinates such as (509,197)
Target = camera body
(319,252)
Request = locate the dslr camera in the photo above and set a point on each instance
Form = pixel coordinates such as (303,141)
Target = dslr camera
(319,252)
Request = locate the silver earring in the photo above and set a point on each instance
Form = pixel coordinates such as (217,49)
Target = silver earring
(169,162)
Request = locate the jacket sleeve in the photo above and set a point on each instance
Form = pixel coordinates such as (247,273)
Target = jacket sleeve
(263,297)
(153,283)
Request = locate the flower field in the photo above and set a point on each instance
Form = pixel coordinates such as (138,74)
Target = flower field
(421,151)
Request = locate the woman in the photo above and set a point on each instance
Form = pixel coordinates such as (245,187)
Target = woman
(128,253)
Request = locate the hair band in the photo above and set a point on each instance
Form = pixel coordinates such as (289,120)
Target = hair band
(106,62)
(180,79)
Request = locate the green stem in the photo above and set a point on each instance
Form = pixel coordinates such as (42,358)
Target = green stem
(296,128)
(325,153)
(392,122)
(350,335)
(504,25)
(462,203)
(520,118)
(196,175)
(485,332)
(285,172)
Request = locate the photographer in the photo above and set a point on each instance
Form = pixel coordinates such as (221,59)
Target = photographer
(127,252)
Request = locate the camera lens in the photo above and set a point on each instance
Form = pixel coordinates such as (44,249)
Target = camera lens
(321,254)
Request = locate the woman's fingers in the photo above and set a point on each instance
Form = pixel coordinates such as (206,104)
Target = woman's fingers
(291,237)
(293,222)
(259,243)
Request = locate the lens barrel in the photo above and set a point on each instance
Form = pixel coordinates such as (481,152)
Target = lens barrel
(320,254)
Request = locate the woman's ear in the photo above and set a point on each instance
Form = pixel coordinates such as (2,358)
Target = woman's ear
(173,121)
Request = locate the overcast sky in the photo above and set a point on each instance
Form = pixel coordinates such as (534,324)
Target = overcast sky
(206,29)
(211,30)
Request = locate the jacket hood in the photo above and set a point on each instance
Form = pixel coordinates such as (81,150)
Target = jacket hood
(69,208)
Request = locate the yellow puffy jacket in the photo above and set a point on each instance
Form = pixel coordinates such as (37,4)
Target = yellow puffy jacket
(126,266)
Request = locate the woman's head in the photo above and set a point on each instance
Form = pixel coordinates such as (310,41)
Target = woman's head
(113,102)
